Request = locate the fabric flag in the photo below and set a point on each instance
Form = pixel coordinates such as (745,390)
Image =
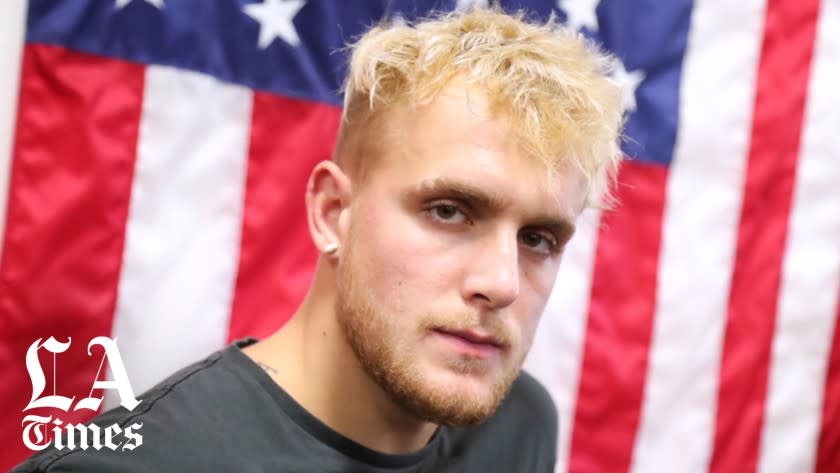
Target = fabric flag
(153,156)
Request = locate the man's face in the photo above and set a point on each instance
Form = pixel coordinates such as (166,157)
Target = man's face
(453,246)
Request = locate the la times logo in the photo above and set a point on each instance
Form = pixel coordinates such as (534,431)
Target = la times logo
(36,428)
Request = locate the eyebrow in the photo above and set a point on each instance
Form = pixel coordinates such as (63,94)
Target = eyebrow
(479,200)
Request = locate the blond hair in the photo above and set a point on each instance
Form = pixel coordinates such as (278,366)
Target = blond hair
(551,82)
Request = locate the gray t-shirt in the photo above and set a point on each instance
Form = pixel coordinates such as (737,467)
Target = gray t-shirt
(225,414)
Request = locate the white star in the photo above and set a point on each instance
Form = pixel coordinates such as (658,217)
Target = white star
(465,4)
(630,82)
(275,19)
(580,13)
(155,3)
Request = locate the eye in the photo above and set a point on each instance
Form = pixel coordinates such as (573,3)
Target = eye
(447,213)
(538,242)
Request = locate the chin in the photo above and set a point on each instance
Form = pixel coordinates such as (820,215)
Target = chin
(458,398)
(475,382)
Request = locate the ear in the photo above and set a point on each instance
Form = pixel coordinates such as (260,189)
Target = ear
(328,195)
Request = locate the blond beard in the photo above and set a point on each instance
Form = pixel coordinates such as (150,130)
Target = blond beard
(368,332)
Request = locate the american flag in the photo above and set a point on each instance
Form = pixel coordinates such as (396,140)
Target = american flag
(153,156)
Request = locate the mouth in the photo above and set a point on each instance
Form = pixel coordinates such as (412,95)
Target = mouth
(470,342)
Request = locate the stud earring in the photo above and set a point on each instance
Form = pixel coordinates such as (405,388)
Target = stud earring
(330,249)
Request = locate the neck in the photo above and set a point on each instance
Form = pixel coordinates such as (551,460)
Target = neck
(311,360)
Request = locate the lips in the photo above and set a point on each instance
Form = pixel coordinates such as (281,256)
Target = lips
(474,337)
(470,343)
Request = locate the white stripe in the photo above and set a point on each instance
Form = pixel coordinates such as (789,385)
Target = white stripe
(699,236)
(182,238)
(810,271)
(12,26)
(557,352)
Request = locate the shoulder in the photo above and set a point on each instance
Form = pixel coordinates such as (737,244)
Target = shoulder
(148,434)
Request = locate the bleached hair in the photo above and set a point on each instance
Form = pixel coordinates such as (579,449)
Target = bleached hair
(551,82)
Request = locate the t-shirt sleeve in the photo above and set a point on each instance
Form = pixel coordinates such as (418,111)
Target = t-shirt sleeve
(87,461)
(73,462)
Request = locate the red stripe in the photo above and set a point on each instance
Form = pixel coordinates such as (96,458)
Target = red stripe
(73,162)
(620,323)
(828,450)
(782,84)
(277,257)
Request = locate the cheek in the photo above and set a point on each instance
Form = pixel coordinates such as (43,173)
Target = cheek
(539,277)
(537,286)
(398,262)
(527,322)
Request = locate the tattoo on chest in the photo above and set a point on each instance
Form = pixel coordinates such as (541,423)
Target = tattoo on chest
(267,368)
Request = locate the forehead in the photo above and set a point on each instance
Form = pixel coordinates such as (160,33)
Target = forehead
(457,138)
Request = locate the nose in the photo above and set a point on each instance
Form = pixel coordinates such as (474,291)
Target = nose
(492,277)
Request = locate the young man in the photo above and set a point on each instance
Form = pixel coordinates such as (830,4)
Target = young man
(469,145)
